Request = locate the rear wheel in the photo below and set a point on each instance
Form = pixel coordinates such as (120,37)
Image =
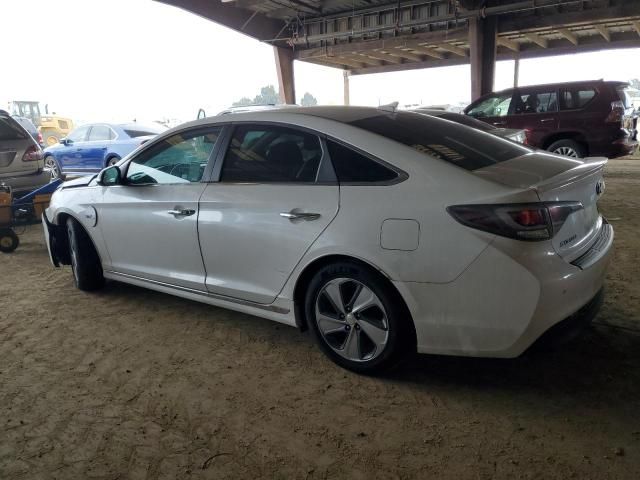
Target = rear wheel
(568,148)
(50,138)
(85,262)
(9,241)
(357,319)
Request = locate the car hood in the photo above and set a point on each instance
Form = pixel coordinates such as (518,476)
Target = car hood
(78,182)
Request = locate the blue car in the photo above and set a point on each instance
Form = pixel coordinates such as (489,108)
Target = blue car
(92,147)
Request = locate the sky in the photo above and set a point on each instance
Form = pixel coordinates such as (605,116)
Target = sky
(120,60)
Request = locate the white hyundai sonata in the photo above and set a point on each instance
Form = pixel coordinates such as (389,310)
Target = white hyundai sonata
(381,232)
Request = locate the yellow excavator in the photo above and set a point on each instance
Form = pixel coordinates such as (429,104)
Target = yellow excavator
(51,127)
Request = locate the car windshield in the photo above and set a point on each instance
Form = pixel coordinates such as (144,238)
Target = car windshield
(465,147)
(10,130)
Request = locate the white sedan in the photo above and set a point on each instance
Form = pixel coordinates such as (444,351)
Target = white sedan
(381,232)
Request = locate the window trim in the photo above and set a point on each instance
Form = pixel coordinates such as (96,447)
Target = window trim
(325,167)
(207,170)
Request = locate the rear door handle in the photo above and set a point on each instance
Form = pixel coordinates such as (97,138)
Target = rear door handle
(292,215)
(547,120)
(187,212)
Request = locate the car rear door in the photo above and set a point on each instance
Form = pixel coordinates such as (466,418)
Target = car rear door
(150,222)
(536,111)
(274,193)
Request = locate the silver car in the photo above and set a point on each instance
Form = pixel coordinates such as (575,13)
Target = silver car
(21,160)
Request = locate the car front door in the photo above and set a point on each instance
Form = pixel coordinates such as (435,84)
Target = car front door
(100,137)
(70,154)
(275,193)
(150,222)
(536,111)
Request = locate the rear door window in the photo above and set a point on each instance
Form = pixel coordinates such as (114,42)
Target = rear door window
(535,102)
(353,167)
(493,106)
(465,147)
(576,98)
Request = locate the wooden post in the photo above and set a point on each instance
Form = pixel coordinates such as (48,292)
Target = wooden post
(286,79)
(345,75)
(482,40)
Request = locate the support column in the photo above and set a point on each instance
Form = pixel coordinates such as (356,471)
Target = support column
(286,79)
(516,71)
(482,39)
(345,75)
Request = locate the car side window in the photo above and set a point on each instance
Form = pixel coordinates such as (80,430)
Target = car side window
(79,134)
(353,167)
(492,106)
(180,158)
(535,102)
(573,99)
(99,133)
(271,154)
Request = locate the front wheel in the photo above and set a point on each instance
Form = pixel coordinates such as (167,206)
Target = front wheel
(112,161)
(85,262)
(357,319)
(52,165)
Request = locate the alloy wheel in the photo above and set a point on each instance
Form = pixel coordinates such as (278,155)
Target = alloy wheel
(566,151)
(352,319)
(52,166)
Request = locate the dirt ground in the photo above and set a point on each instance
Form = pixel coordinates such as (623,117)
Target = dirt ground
(129,383)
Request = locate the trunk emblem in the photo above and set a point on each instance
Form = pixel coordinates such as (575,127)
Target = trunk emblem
(600,187)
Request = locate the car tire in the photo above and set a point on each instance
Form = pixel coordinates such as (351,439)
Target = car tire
(111,161)
(568,148)
(54,167)
(9,241)
(357,319)
(50,138)
(85,262)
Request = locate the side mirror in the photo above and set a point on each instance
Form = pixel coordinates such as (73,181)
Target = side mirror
(66,141)
(110,176)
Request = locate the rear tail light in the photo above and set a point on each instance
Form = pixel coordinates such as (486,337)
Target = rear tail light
(527,134)
(522,221)
(32,154)
(617,112)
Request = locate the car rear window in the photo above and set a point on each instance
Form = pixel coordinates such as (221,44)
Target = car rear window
(462,146)
(10,130)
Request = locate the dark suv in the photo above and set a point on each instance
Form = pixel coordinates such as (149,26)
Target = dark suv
(576,119)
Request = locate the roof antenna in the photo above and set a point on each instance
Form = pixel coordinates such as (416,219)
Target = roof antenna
(389,107)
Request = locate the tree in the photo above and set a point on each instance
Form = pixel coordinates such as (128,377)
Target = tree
(308,100)
(267,96)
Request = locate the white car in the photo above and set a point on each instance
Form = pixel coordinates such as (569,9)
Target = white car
(381,232)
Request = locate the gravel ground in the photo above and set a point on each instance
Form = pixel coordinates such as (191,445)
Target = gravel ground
(129,383)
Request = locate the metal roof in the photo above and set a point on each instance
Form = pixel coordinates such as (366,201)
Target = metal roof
(368,36)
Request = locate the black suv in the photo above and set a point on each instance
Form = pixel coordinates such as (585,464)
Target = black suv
(578,119)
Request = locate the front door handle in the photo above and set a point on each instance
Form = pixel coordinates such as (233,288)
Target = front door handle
(547,120)
(181,213)
(293,215)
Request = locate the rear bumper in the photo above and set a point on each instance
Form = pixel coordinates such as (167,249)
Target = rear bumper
(618,148)
(504,301)
(24,184)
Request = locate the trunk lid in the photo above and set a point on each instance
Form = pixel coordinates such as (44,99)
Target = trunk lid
(559,179)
